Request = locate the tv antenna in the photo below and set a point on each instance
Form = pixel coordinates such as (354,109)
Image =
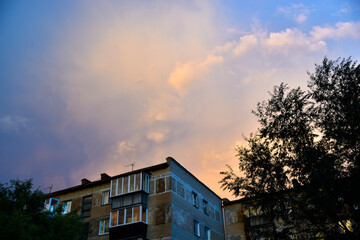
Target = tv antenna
(50,188)
(132,164)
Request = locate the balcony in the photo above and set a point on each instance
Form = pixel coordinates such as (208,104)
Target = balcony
(128,231)
(128,223)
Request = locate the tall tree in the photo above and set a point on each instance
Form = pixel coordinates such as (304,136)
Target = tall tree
(22,215)
(303,163)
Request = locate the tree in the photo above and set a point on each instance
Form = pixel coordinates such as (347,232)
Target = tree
(22,215)
(303,164)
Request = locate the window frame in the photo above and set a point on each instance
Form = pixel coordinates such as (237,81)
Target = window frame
(82,206)
(50,206)
(205,207)
(197,228)
(207,233)
(66,206)
(103,198)
(101,225)
(195,199)
(129,184)
(126,210)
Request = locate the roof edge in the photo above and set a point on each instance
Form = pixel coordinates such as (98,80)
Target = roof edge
(171,159)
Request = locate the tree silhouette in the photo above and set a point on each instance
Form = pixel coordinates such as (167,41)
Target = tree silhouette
(302,166)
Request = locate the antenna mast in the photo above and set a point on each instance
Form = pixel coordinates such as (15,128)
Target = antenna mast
(50,188)
(132,164)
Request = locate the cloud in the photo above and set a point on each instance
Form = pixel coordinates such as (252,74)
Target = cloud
(297,12)
(128,82)
(114,77)
(341,30)
(14,124)
(292,40)
(246,43)
(225,47)
(156,136)
(185,73)
(140,99)
(163,107)
(124,147)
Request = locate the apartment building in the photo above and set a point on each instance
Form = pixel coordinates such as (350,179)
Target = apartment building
(242,220)
(163,201)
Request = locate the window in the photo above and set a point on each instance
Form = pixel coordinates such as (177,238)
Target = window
(51,204)
(137,182)
(146,181)
(104,227)
(66,207)
(144,214)
(130,183)
(136,214)
(250,211)
(206,207)
(86,206)
(195,199)
(196,228)
(128,215)
(120,184)
(114,218)
(207,233)
(121,214)
(113,187)
(125,184)
(105,197)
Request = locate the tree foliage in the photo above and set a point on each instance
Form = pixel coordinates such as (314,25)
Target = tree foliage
(22,215)
(303,163)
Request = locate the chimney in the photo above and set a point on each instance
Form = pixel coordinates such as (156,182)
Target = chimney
(169,159)
(85,181)
(225,200)
(104,176)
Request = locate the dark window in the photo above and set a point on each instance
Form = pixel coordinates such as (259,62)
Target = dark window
(195,199)
(160,185)
(206,207)
(121,216)
(86,206)
(128,213)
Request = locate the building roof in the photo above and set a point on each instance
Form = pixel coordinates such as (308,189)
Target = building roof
(192,175)
(106,178)
(86,183)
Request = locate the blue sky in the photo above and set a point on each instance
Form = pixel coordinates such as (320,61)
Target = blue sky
(90,86)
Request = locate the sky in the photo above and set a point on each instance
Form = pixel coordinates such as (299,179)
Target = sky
(88,87)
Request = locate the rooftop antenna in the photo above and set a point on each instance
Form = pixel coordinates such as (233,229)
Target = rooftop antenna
(50,188)
(132,164)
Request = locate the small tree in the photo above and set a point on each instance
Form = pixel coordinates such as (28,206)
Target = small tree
(22,215)
(303,163)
